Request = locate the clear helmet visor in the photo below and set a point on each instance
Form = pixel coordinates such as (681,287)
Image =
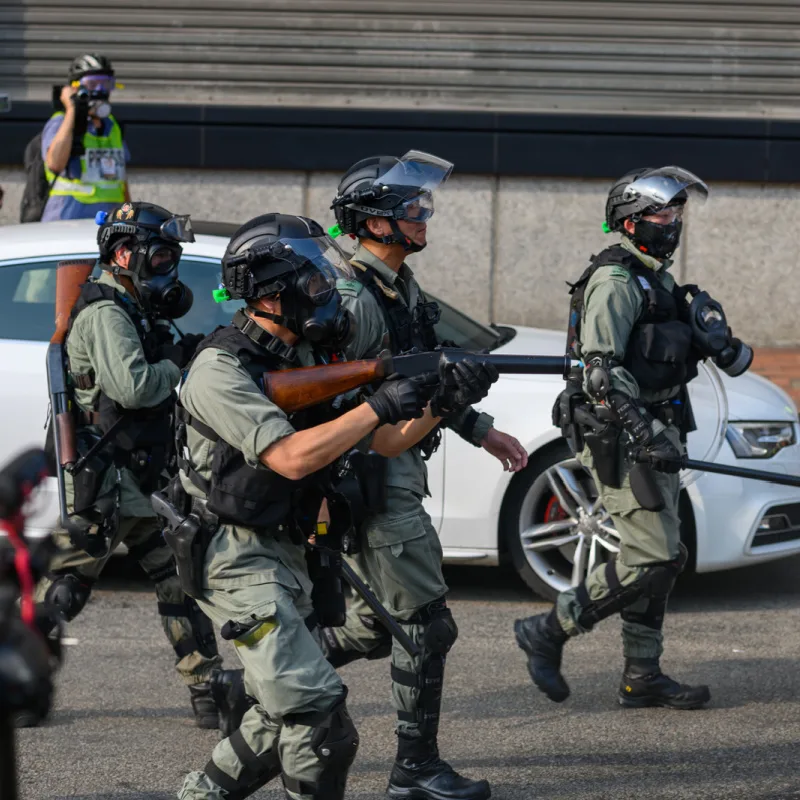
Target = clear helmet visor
(418,171)
(328,260)
(666,185)
(178,229)
(416,209)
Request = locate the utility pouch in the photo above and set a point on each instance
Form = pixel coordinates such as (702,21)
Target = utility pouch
(645,489)
(603,443)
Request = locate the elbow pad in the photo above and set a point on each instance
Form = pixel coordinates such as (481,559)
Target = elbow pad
(598,378)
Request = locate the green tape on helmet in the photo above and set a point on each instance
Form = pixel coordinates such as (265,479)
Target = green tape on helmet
(335,231)
(221,295)
(606,229)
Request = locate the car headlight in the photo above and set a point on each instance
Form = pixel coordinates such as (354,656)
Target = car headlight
(759,439)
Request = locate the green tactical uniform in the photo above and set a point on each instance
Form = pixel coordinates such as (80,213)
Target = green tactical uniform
(401,557)
(612,305)
(259,580)
(103,341)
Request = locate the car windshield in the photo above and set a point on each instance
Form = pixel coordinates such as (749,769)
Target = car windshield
(28,292)
(455,326)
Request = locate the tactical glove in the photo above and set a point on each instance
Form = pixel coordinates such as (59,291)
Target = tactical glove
(400,398)
(660,454)
(463,383)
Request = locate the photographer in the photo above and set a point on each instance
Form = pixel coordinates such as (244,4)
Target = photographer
(85,173)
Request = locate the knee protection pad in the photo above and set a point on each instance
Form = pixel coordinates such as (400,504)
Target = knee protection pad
(654,582)
(68,594)
(335,744)
(441,633)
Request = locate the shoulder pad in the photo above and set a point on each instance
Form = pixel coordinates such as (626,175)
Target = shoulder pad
(349,286)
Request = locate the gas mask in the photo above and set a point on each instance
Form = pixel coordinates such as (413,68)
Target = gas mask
(95,92)
(155,268)
(311,308)
(712,336)
(657,240)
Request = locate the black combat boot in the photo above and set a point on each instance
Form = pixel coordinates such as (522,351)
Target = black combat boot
(231,699)
(203,705)
(644,684)
(543,638)
(419,774)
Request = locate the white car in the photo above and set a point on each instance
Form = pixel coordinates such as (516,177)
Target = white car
(545,520)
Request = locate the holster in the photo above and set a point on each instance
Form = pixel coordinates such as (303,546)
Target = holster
(187,535)
(563,415)
(87,480)
(327,596)
(603,443)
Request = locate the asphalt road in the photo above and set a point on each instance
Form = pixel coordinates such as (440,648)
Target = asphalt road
(122,727)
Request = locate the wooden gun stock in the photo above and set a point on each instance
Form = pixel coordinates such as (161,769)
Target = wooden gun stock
(70,276)
(296,389)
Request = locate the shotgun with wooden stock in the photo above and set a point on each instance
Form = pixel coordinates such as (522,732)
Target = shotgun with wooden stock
(70,276)
(297,389)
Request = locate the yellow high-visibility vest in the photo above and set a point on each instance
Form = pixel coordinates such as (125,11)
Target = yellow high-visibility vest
(102,177)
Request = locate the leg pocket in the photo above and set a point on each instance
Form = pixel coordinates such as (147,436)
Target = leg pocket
(404,562)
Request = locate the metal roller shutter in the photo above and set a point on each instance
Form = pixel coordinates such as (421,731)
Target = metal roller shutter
(734,57)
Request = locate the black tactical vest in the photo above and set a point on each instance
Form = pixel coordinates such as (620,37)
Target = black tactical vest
(237,493)
(140,438)
(659,353)
(407,328)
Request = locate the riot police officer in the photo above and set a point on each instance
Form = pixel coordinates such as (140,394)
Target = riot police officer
(640,337)
(246,469)
(385,202)
(124,366)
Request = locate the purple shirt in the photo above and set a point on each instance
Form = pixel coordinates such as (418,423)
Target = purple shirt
(60,206)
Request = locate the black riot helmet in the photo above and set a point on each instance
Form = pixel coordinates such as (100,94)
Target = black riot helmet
(89,64)
(154,236)
(646,191)
(394,188)
(293,258)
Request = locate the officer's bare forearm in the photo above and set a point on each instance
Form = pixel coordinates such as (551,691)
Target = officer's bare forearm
(304,452)
(391,440)
(61,147)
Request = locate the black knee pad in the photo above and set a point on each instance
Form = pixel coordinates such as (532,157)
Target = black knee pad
(441,633)
(203,639)
(68,593)
(335,743)
(655,581)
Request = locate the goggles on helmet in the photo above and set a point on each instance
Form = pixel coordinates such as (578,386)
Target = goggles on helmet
(98,83)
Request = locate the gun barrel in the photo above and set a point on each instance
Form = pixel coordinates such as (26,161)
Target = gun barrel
(528,365)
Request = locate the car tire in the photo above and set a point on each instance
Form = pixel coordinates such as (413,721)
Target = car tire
(530,502)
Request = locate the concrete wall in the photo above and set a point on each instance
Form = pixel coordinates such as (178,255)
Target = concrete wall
(502,249)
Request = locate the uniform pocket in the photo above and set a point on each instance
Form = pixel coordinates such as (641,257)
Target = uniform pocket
(395,533)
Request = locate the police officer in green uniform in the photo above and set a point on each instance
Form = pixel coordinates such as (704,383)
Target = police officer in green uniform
(640,337)
(124,367)
(385,203)
(245,468)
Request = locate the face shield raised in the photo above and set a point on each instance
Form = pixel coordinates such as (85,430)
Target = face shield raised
(656,200)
